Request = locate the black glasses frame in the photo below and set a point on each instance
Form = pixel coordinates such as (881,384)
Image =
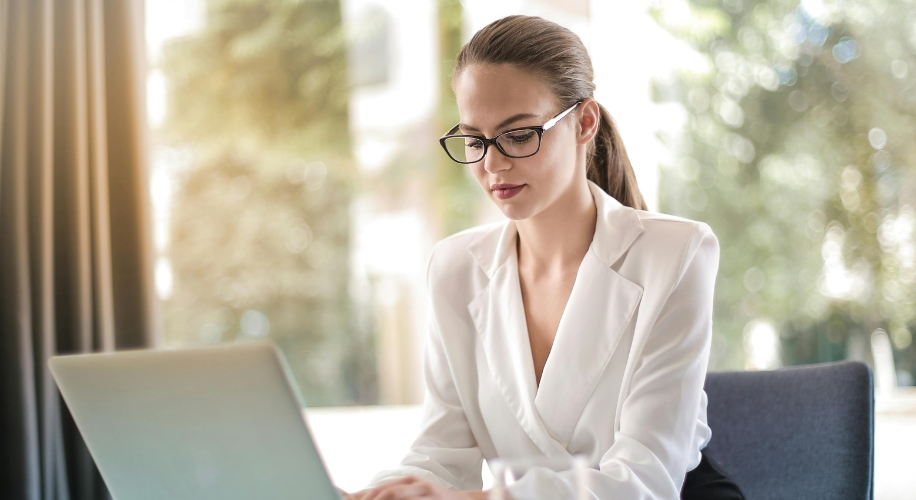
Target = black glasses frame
(540,129)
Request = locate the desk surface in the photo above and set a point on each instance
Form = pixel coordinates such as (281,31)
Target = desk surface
(355,448)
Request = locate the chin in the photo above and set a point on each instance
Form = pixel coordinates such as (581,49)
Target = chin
(514,211)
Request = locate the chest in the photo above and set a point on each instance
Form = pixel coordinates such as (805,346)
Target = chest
(544,299)
(587,336)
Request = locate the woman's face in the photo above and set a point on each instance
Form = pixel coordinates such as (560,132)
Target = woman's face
(495,98)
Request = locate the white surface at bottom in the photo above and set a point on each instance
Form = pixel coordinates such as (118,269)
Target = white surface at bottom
(357,443)
(895,456)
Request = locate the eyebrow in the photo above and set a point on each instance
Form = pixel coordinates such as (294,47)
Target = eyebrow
(508,121)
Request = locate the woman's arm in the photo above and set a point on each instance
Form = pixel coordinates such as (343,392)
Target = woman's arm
(445,453)
(655,443)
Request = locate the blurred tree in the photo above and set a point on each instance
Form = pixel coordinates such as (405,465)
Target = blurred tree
(798,153)
(260,228)
(452,190)
(458,194)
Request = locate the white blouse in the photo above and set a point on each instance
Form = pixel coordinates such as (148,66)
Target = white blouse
(622,385)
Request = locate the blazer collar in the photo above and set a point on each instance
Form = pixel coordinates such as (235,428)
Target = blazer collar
(616,228)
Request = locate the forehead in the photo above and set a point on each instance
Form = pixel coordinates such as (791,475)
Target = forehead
(488,94)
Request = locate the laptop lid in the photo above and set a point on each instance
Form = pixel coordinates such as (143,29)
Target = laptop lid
(213,422)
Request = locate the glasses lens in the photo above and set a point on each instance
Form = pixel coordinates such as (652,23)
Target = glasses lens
(520,143)
(464,149)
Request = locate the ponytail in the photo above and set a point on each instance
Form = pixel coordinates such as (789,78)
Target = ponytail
(557,55)
(609,167)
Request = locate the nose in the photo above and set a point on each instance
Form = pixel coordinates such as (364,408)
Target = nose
(496,161)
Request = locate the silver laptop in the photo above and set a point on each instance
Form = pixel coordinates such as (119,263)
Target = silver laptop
(220,422)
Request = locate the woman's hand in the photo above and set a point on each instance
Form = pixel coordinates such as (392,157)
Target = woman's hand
(352,496)
(411,488)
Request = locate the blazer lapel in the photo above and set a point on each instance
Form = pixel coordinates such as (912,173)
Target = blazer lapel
(596,315)
(599,308)
(499,315)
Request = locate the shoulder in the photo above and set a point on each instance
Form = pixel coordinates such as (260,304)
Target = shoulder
(673,231)
(672,243)
(659,225)
(451,258)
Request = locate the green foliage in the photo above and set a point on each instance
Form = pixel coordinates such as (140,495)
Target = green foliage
(785,157)
(260,226)
(457,192)
(267,72)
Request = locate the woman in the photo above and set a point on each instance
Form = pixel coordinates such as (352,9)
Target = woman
(582,325)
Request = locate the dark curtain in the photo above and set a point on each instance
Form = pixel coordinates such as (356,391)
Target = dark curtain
(75,244)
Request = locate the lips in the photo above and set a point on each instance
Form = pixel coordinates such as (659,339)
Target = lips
(506,191)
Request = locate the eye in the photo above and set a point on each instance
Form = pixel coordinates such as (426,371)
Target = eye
(473,144)
(521,136)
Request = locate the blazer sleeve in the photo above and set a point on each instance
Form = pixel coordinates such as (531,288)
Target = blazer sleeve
(445,452)
(656,441)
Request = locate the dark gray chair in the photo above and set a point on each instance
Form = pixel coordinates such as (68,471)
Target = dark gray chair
(795,433)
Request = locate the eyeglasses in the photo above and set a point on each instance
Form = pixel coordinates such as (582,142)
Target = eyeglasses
(516,143)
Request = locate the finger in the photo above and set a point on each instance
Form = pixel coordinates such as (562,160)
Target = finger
(407,491)
(373,493)
(361,494)
(378,492)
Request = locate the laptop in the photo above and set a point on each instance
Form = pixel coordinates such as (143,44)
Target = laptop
(221,422)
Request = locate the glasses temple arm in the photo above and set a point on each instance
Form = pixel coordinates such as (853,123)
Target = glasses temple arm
(553,121)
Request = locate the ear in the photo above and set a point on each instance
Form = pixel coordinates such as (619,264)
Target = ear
(589,120)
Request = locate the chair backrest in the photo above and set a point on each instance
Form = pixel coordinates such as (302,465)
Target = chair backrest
(803,432)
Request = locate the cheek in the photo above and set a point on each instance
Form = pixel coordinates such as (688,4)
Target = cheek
(541,172)
(553,167)
(561,155)
(479,173)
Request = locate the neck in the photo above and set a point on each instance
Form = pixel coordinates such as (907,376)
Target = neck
(558,238)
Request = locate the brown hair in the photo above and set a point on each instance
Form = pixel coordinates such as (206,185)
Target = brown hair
(558,55)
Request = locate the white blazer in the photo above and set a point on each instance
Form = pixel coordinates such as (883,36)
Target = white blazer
(623,383)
